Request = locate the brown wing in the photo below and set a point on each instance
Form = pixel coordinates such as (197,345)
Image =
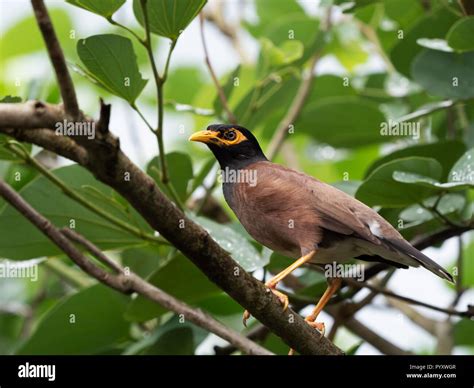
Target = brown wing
(335,210)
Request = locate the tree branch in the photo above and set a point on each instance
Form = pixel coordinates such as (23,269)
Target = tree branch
(125,283)
(56,55)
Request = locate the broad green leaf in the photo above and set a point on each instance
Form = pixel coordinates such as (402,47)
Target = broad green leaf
(433,25)
(295,26)
(460,35)
(19,174)
(464,332)
(271,10)
(144,260)
(112,61)
(381,189)
(354,348)
(172,338)
(460,177)
(88,322)
(183,84)
(242,251)
(347,47)
(468,265)
(328,85)
(359,125)
(445,152)
(180,171)
(64,212)
(168,17)
(420,180)
(11,45)
(449,204)
(404,12)
(10,99)
(289,51)
(180,278)
(105,8)
(448,75)
(463,171)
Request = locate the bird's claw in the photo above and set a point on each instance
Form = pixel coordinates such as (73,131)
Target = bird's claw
(281,297)
(319,326)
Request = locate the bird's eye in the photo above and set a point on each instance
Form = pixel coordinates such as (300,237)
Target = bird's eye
(230,135)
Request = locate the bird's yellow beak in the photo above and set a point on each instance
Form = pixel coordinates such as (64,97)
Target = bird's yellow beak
(205,136)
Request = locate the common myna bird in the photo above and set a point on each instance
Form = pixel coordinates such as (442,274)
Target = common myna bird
(299,216)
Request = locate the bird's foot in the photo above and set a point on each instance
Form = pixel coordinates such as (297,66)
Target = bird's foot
(280,295)
(319,326)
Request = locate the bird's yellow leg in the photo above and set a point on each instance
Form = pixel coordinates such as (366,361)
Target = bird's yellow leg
(272,283)
(311,318)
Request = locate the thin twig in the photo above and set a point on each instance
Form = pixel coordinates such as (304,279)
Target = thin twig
(129,282)
(449,311)
(220,91)
(299,100)
(56,55)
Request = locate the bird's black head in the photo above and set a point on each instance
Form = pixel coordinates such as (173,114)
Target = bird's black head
(233,146)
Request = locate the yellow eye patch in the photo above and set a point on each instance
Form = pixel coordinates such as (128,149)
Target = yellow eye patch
(232,137)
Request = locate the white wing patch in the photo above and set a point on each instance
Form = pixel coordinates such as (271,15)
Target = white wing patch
(375,229)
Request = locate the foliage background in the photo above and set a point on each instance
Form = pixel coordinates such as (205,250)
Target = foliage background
(366,74)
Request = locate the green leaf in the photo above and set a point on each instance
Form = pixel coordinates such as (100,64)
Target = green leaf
(180,171)
(168,17)
(298,27)
(111,60)
(354,348)
(460,35)
(10,99)
(448,75)
(12,46)
(60,210)
(463,171)
(287,52)
(347,47)
(270,10)
(460,177)
(464,332)
(183,84)
(359,125)
(449,204)
(242,251)
(88,322)
(144,260)
(431,26)
(172,338)
(445,152)
(105,8)
(381,189)
(180,278)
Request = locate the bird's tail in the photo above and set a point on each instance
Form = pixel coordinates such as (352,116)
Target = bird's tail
(405,248)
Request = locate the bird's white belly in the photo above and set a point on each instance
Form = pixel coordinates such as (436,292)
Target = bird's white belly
(340,252)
